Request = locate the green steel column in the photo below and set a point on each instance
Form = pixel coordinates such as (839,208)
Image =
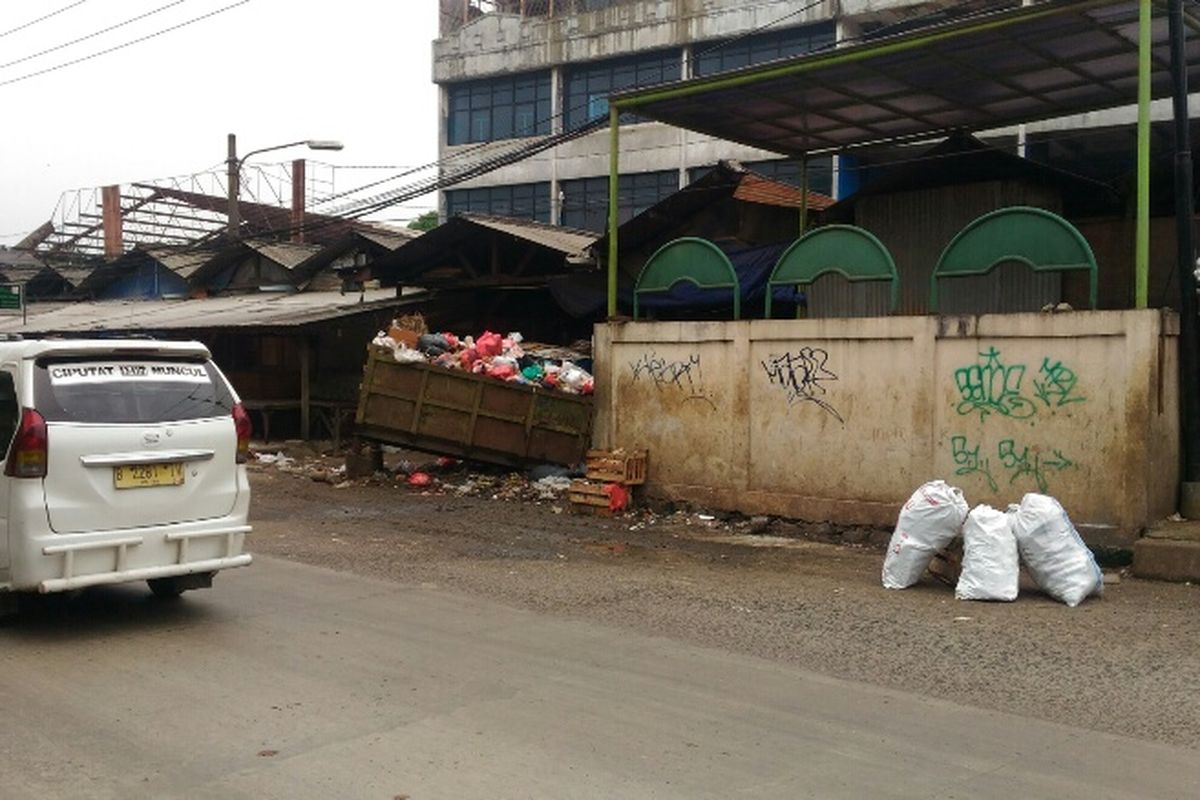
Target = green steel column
(614,170)
(1141,252)
(803,194)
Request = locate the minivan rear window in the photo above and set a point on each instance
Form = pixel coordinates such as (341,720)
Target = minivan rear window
(129,390)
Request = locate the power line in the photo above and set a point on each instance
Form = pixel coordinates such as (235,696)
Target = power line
(41,19)
(125,44)
(92,35)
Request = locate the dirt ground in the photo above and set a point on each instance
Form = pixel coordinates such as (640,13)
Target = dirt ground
(1127,664)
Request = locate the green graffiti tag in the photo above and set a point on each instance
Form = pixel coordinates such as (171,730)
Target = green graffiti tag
(1015,462)
(1034,465)
(1056,386)
(992,387)
(968,461)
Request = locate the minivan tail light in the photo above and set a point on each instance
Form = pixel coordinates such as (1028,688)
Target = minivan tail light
(27,456)
(241,423)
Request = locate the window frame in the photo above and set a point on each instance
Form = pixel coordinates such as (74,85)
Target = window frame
(497,108)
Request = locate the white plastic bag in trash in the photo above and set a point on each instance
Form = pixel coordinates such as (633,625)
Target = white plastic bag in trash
(990,568)
(1060,563)
(929,521)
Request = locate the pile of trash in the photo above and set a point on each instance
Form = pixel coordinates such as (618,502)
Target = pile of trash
(500,357)
(1037,533)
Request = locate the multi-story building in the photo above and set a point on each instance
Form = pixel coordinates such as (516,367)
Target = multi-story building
(513,71)
(510,70)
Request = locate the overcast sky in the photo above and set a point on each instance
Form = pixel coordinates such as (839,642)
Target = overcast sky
(271,71)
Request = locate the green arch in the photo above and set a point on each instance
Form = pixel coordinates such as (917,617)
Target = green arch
(850,251)
(1039,239)
(697,261)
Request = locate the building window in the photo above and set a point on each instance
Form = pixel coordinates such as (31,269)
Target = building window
(499,108)
(522,200)
(820,172)
(713,57)
(585,201)
(589,85)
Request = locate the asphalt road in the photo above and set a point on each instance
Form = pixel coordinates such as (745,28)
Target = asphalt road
(289,681)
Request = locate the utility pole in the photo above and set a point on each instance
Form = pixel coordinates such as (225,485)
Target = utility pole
(232,211)
(1189,362)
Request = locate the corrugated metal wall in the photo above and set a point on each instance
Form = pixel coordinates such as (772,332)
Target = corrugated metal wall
(916,226)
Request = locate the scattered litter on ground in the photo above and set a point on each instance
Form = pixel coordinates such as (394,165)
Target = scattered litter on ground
(551,487)
(279,459)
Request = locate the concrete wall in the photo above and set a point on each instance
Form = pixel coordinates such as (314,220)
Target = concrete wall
(840,419)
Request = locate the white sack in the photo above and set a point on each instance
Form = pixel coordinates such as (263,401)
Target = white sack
(990,568)
(1060,563)
(929,521)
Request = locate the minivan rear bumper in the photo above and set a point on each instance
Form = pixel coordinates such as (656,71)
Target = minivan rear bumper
(228,540)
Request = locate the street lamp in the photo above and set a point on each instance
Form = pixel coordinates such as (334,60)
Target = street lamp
(234,165)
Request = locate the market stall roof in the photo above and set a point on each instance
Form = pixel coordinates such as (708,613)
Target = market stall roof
(985,71)
(473,251)
(260,310)
(727,179)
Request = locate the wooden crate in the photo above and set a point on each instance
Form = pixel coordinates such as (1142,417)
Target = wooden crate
(627,467)
(588,497)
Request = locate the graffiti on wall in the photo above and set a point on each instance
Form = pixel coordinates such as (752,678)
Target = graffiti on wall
(686,376)
(994,386)
(802,376)
(1013,461)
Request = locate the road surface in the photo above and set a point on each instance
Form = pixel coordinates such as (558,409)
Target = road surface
(290,681)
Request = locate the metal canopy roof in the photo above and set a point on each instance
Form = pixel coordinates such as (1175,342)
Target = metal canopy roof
(991,70)
(247,311)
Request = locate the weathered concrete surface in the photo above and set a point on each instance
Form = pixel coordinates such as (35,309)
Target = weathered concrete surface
(294,682)
(840,419)
(1169,552)
(1166,560)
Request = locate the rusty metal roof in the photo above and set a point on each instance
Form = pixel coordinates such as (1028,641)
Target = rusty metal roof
(755,188)
(259,310)
(986,71)
(475,251)
(568,241)
(288,255)
(182,262)
(391,238)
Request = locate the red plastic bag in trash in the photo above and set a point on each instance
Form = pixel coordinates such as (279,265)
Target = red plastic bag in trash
(618,497)
(489,344)
(502,371)
(468,358)
(419,479)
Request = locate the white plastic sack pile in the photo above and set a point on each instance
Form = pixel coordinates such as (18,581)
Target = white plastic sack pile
(929,521)
(1059,561)
(990,568)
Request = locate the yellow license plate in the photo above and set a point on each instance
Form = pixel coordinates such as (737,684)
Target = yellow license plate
(139,476)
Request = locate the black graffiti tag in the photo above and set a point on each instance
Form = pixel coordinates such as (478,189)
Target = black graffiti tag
(686,376)
(801,375)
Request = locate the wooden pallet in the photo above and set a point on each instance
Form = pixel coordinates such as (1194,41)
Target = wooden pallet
(627,467)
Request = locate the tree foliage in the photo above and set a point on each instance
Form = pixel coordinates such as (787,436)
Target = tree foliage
(426,222)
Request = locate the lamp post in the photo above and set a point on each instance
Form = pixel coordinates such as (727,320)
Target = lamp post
(234,165)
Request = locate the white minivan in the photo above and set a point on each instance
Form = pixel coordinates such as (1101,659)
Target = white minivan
(124,461)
